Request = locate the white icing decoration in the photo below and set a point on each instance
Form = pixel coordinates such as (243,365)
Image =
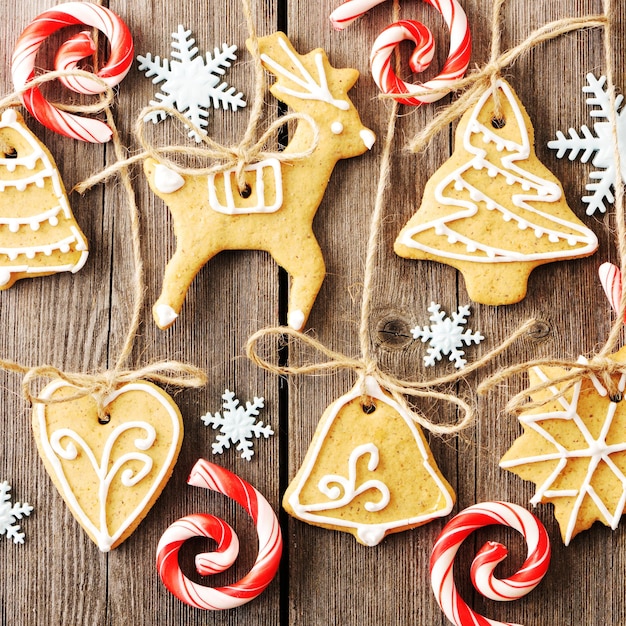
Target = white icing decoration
(313,90)
(272,165)
(368,138)
(5,276)
(47,173)
(334,485)
(167,180)
(370,534)
(597,451)
(295,319)
(583,241)
(336,128)
(165,314)
(54,450)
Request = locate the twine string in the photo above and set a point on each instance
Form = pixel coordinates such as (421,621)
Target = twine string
(473,87)
(476,83)
(601,365)
(100,385)
(235,157)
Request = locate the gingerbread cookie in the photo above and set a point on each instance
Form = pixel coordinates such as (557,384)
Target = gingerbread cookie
(109,474)
(493,210)
(368,470)
(574,450)
(38,233)
(275,211)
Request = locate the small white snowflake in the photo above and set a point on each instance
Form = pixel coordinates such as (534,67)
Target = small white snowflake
(10,513)
(446,335)
(601,144)
(237,425)
(191,83)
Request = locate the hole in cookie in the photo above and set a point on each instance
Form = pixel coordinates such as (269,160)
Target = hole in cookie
(11,153)
(617,397)
(498,122)
(368,407)
(246,192)
(104,419)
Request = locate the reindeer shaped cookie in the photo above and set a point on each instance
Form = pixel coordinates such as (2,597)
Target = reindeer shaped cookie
(282,197)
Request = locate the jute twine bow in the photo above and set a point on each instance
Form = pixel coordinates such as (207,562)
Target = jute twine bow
(472,87)
(101,384)
(236,157)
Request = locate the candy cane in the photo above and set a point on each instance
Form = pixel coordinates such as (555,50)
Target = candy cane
(488,557)
(70,52)
(210,476)
(350,11)
(611,280)
(380,58)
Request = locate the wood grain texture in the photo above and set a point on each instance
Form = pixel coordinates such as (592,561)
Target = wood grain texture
(78,322)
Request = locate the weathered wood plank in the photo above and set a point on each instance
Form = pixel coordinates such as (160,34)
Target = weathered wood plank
(78,322)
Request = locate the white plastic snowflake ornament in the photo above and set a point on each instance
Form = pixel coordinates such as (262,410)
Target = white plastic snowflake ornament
(10,513)
(191,84)
(446,335)
(237,425)
(601,144)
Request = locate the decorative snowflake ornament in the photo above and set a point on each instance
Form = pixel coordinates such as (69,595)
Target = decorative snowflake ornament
(10,513)
(191,83)
(599,144)
(237,425)
(446,335)
(574,450)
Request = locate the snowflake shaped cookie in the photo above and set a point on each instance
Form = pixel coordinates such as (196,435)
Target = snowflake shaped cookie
(574,450)
(600,144)
(446,335)
(191,84)
(237,425)
(10,513)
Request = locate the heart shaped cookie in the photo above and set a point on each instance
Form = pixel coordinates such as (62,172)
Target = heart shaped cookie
(109,474)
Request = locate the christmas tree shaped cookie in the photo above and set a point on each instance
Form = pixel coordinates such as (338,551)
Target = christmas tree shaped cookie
(38,233)
(368,470)
(493,210)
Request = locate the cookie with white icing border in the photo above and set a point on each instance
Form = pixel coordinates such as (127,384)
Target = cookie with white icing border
(109,474)
(274,211)
(574,450)
(493,210)
(368,471)
(38,232)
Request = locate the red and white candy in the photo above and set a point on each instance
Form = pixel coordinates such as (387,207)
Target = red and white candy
(350,11)
(611,280)
(519,584)
(410,30)
(75,49)
(211,476)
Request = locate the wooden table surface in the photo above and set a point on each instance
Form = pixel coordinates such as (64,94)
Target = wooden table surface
(78,323)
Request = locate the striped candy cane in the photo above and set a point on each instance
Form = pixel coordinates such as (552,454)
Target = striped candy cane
(69,54)
(521,583)
(611,280)
(211,476)
(410,30)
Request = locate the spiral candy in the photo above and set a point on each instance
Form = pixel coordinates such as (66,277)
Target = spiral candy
(519,584)
(211,476)
(70,52)
(380,58)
